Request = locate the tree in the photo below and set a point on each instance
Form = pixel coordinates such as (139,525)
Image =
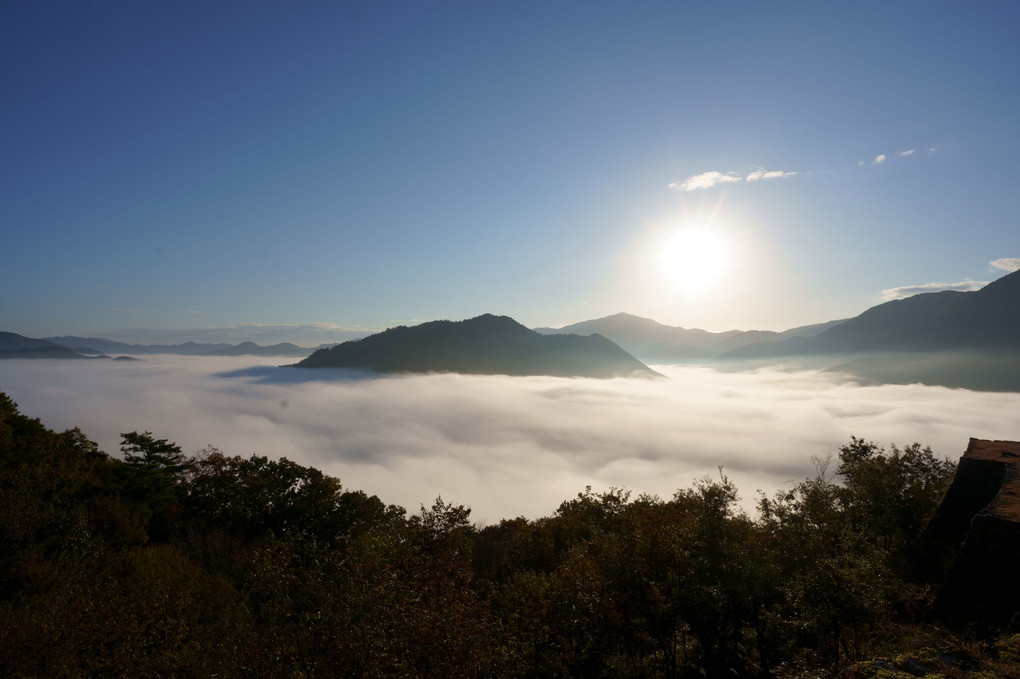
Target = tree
(146,451)
(889,496)
(155,471)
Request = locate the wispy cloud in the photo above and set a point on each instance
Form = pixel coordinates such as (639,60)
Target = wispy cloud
(769,174)
(705,180)
(882,157)
(911,290)
(1006,264)
(125,311)
(506,446)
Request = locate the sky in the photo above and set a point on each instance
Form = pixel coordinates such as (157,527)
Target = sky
(294,171)
(507,446)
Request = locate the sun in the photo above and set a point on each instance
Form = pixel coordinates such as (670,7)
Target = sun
(694,257)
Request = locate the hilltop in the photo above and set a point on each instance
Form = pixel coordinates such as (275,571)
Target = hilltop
(956,339)
(652,341)
(985,319)
(13,345)
(486,345)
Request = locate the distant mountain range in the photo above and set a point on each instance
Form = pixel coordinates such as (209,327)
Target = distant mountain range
(957,339)
(13,345)
(654,342)
(969,340)
(985,320)
(88,345)
(488,344)
(94,345)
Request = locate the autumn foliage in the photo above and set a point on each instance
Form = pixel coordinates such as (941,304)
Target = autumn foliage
(157,563)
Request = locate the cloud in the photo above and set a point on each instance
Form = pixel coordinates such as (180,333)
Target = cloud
(705,180)
(881,157)
(125,311)
(1006,264)
(911,290)
(309,334)
(505,446)
(768,174)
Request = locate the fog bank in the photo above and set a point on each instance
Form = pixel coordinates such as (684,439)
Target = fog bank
(505,446)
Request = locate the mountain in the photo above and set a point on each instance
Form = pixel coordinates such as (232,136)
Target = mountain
(985,320)
(101,345)
(52,351)
(10,341)
(13,345)
(627,328)
(113,347)
(487,345)
(981,371)
(252,349)
(811,330)
(69,346)
(655,342)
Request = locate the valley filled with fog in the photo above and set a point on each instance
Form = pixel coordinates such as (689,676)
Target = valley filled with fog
(504,446)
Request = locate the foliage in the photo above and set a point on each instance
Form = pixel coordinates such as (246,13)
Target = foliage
(163,564)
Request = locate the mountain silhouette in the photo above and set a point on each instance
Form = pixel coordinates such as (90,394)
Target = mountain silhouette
(10,341)
(13,345)
(100,345)
(252,349)
(487,345)
(113,347)
(652,341)
(983,320)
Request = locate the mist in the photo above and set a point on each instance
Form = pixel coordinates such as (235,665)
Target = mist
(504,446)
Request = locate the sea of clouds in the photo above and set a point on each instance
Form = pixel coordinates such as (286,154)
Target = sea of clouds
(504,446)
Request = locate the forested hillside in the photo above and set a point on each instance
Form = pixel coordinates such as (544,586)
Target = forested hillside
(484,345)
(157,563)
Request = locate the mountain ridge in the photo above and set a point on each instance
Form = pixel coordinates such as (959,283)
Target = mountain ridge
(650,340)
(13,345)
(246,348)
(987,319)
(486,344)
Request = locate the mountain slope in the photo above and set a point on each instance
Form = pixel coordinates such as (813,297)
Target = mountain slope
(652,341)
(987,319)
(627,328)
(10,341)
(13,345)
(186,349)
(252,349)
(493,345)
(114,347)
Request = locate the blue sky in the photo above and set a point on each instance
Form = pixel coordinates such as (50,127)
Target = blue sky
(285,170)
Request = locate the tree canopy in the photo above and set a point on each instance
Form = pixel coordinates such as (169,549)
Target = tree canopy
(159,563)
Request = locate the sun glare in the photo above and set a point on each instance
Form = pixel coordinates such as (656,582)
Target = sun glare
(694,258)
